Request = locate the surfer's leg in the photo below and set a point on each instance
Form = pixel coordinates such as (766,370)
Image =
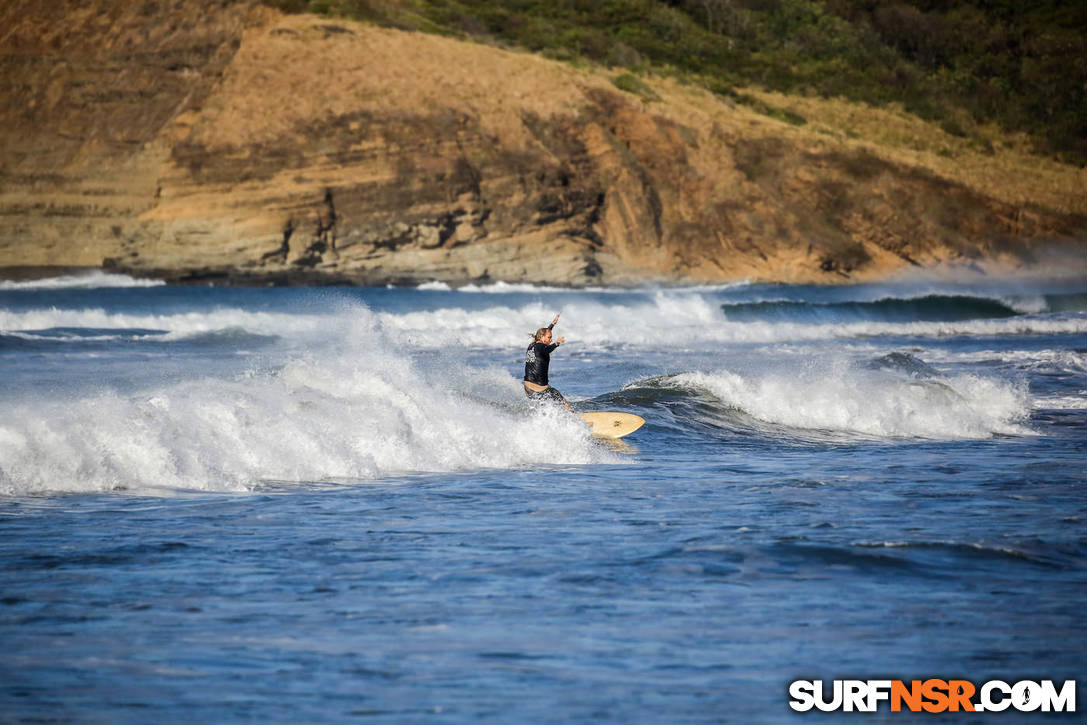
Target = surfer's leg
(558,397)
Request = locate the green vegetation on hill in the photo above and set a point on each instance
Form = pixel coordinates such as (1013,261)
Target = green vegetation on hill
(961,63)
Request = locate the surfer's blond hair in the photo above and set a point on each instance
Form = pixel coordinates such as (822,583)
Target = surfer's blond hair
(540,333)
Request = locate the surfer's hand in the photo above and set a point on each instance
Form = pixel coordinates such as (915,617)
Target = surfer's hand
(561,340)
(555,321)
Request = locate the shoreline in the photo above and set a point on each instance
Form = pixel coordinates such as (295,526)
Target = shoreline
(1053,271)
(32,272)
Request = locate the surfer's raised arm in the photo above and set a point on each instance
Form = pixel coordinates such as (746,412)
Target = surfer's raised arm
(552,325)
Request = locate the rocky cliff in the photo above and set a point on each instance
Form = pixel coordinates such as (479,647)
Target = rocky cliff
(201,139)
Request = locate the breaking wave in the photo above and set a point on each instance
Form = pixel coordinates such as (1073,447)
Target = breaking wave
(358,409)
(931,308)
(835,400)
(661,319)
(85,280)
(668,319)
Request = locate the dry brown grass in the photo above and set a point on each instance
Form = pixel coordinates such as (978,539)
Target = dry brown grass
(500,86)
(993,163)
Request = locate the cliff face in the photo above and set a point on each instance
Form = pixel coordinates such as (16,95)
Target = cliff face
(201,139)
(86,93)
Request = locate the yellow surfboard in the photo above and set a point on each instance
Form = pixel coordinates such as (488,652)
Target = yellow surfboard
(607,424)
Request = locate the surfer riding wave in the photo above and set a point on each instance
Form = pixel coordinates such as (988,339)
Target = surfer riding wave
(537,361)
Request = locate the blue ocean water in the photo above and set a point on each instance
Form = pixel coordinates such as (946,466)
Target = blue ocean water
(335,504)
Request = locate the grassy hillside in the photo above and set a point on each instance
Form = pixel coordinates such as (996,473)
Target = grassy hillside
(964,64)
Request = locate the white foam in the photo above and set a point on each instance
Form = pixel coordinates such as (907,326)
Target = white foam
(1048,359)
(357,410)
(88,280)
(840,398)
(501,287)
(38,337)
(663,319)
(1026,304)
(179,324)
(1062,402)
(508,287)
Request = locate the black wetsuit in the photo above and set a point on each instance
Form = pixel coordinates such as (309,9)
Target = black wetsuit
(537,360)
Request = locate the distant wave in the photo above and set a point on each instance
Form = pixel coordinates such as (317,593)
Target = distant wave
(1060,303)
(932,307)
(893,558)
(1036,552)
(670,319)
(497,288)
(1062,402)
(929,308)
(526,287)
(177,325)
(83,338)
(1048,360)
(62,336)
(660,319)
(226,336)
(83,280)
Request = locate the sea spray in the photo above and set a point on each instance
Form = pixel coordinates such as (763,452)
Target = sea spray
(354,408)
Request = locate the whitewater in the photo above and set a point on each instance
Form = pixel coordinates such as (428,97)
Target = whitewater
(319,504)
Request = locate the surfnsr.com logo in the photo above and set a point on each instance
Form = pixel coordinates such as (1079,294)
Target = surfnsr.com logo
(933,695)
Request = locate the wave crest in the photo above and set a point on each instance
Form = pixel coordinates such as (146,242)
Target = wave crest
(844,400)
(86,280)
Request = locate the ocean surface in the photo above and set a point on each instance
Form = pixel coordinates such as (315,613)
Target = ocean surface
(326,505)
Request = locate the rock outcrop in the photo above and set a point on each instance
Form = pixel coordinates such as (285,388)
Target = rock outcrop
(200,139)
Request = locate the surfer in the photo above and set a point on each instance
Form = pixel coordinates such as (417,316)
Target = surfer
(537,360)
